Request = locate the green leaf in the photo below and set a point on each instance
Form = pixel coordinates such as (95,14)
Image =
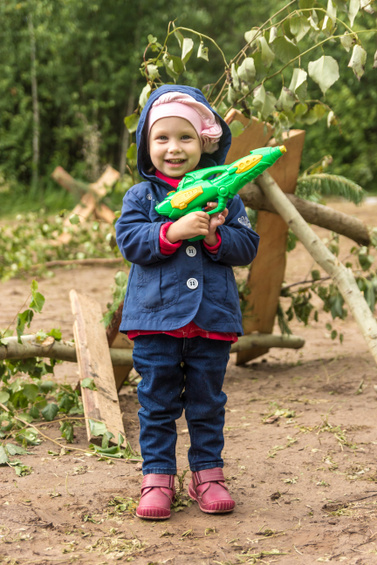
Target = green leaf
(298,83)
(31,391)
(131,122)
(152,72)
(97,428)
(145,93)
(38,299)
(174,65)
(203,52)
(132,153)
(285,49)
(347,40)
(330,18)
(50,411)
(251,35)
(286,99)
(266,52)
(358,60)
(353,9)
(56,334)
(4,396)
(15,449)
(74,219)
(66,430)
(324,71)
(187,49)
(23,319)
(299,27)
(236,128)
(264,102)
(246,71)
(3,456)
(88,383)
(235,78)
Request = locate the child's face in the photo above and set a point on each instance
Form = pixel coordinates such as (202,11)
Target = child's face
(174,146)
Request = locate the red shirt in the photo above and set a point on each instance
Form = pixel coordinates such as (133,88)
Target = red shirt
(168,248)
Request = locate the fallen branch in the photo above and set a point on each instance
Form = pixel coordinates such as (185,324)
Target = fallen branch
(341,276)
(66,351)
(109,261)
(313,213)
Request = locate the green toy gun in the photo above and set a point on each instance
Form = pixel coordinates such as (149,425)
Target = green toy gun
(197,188)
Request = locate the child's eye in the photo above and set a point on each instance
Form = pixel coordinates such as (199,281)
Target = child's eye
(185,137)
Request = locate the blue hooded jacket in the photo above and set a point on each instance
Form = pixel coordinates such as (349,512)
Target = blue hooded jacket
(166,292)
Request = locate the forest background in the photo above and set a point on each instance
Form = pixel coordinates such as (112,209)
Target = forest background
(70,74)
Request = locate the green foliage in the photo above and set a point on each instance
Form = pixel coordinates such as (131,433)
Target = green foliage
(119,292)
(29,243)
(323,184)
(300,303)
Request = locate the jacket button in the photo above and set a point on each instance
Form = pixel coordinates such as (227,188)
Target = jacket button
(192,284)
(191,251)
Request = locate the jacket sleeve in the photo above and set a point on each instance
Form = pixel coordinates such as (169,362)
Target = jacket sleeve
(138,237)
(239,242)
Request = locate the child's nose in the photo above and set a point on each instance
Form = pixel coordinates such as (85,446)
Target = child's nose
(174,146)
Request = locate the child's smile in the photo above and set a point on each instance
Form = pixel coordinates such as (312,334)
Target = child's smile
(174,146)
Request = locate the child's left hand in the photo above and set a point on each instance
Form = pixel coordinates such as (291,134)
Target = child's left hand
(215,220)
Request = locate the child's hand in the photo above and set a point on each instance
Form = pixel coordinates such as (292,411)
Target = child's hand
(191,225)
(215,220)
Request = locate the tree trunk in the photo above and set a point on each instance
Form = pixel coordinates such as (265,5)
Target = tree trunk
(34,94)
(341,276)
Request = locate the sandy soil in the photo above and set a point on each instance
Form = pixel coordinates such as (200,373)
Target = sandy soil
(300,457)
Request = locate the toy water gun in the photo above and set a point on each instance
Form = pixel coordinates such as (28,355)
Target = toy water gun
(216,183)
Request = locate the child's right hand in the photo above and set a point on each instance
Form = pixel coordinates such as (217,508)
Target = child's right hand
(191,225)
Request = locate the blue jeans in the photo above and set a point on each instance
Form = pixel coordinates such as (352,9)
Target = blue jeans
(180,374)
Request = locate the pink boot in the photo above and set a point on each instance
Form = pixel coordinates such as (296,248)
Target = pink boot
(209,490)
(157,493)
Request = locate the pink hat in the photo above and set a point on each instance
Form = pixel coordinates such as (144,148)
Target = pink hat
(185,106)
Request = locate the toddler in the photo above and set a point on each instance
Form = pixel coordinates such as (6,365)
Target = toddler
(181,306)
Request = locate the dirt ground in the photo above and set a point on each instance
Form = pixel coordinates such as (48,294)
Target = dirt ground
(300,456)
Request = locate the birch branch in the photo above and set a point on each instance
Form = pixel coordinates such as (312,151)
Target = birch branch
(30,347)
(341,276)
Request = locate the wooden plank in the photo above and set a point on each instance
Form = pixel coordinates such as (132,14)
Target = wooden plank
(94,362)
(267,271)
(256,134)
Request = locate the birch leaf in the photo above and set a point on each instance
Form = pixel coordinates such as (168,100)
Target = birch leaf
(246,70)
(358,60)
(298,82)
(251,35)
(353,10)
(347,40)
(324,71)
(267,54)
(187,48)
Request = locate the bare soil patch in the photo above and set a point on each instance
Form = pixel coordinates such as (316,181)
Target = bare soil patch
(300,456)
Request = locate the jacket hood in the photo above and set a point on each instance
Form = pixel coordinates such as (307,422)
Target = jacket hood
(144,163)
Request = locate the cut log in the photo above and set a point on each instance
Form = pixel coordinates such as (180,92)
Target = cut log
(313,213)
(121,354)
(99,188)
(89,203)
(342,277)
(94,362)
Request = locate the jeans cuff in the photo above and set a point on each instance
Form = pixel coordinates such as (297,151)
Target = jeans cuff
(204,466)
